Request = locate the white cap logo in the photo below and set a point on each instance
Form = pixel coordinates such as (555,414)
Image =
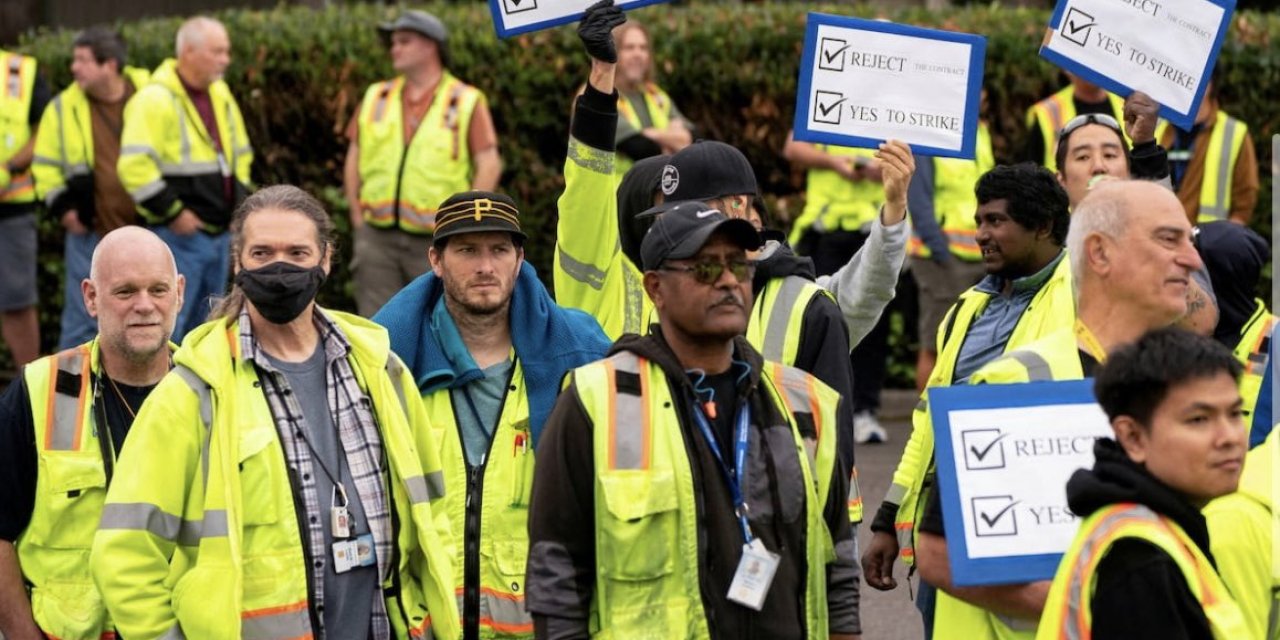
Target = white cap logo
(670,179)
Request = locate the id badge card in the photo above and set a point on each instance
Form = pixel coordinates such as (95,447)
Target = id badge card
(349,554)
(754,575)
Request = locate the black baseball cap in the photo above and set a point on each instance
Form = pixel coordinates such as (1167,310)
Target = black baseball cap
(477,211)
(418,22)
(682,228)
(708,169)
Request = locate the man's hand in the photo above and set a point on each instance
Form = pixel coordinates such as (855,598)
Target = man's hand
(897,165)
(186,223)
(71,222)
(1140,115)
(877,562)
(596,30)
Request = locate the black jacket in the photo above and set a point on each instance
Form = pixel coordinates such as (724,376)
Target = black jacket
(561,577)
(1140,591)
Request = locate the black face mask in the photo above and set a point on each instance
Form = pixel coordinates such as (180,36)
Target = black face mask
(280,291)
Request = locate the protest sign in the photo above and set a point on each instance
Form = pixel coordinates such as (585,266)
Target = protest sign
(513,17)
(1004,455)
(1164,48)
(863,82)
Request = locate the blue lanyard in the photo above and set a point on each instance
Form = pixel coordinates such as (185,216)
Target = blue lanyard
(735,477)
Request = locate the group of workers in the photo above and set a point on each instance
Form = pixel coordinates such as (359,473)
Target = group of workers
(688,394)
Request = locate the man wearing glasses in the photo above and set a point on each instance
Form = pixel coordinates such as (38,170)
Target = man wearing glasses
(1094,144)
(711,497)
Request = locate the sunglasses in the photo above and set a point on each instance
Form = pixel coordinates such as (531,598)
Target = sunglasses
(709,271)
(1090,118)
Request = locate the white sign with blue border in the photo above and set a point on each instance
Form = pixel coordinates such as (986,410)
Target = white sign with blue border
(1164,48)
(863,82)
(513,17)
(1004,455)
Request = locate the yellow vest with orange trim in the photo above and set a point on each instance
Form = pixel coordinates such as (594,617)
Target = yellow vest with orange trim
(1253,351)
(16,91)
(660,110)
(1068,612)
(200,535)
(647,559)
(71,485)
(835,203)
(1223,149)
(954,202)
(1056,111)
(402,187)
(500,543)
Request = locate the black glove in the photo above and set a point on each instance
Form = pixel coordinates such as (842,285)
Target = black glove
(596,30)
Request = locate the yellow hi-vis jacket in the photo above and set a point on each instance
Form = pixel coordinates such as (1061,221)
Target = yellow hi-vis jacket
(488,509)
(200,534)
(167,157)
(1241,536)
(1225,142)
(835,203)
(1069,611)
(661,109)
(1052,309)
(63,164)
(646,530)
(1253,353)
(954,202)
(402,187)
(1056,111)
(70,488)
(16,92)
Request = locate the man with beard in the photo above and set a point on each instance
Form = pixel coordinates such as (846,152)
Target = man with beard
(278,483)
(1022,220)
(649,123)
(488,349)
(712,502)
(62,426)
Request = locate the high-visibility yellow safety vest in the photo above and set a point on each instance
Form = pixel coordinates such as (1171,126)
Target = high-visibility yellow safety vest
(1056,111)
(647,561)
(660,110)
(1241,536)
(1068,613)
(70,488)
(165,144)
(64,143)
(954,203)
(1253,351)
(401,188)
(1051,310)
(1225,142)
(200,534)
(834,203)
(16,91)
(489,513)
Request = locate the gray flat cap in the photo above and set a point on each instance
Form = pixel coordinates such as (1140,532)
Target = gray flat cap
(418,22)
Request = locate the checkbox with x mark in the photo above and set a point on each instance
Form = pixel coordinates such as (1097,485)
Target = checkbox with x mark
(983,449)
(995,516)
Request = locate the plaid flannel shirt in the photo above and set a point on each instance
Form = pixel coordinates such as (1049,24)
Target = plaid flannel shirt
(351,411)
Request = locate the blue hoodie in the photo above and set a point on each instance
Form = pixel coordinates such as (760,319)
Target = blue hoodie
(549,340)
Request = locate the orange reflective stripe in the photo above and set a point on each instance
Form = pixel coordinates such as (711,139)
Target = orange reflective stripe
(283,622)
(380,107)
(62,434)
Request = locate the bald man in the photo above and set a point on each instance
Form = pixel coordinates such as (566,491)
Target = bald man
(55,414)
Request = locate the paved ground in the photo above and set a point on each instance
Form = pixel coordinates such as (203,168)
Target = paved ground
(887,615)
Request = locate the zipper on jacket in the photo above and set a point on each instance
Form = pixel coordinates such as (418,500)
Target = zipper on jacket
(105,445)
(395,202)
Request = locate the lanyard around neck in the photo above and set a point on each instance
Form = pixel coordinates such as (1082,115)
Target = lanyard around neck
(734,476)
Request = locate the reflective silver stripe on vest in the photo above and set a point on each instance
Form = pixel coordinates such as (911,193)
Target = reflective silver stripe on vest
(1075,588)
(395,370)
(276,624)
(1218,210)
(794,385)
(140,150)
(53,196)
(923,404)
(184,150)
(187,169)
(581,271)
(425,488)
(65,421)
(174,633)
(147,191)
(1037,367)
(504,615)
(204,397)
(144,516)
(896,494)
(630,434)
(589,157)
(775,335)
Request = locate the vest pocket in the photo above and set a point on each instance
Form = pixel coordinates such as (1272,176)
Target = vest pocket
(69,609)
(204,604)
(785,458)
(70,504)
(639,530)
(260,476)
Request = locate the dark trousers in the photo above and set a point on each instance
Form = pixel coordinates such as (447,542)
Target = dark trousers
(870,358)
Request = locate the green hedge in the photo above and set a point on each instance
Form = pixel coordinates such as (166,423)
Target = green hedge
(299,73)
